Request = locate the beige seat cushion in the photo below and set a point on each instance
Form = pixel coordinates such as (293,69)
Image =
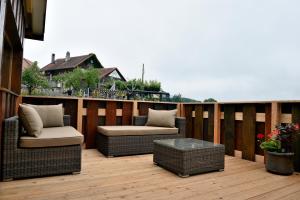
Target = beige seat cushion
(52,137)
(31,120)
(163,118)
(51,115)
(135,130)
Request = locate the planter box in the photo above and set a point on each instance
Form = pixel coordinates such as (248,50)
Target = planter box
(279,163)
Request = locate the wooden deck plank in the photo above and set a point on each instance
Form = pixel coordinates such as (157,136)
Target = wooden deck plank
(135,177)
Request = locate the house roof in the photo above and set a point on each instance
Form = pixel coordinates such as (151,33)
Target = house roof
(104,72)
(61,63)
(26,63)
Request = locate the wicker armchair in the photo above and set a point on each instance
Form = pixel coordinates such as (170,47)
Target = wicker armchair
(31,162)
(133,144)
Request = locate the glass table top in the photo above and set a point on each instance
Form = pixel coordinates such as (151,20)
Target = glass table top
(187,143)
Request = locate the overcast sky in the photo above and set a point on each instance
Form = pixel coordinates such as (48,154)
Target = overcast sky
(225,49)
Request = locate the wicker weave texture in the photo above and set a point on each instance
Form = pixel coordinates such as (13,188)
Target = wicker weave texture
(132,145)
(32,162)
(189,162)
(128,145)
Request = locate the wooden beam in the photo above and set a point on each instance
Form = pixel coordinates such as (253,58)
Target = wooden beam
(217,123)
(296,139)
(229,129)
(135,110)
(127,113)
(144,107)
(178,107)
(275,114)
(91,123)
(189,120)
(249,135)
(111,112)
(210,129)
(198,127)
(79,114)
(18,102)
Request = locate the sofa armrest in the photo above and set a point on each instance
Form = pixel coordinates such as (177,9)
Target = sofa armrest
(180,124)
(67,120)
(11,133)
(140,120)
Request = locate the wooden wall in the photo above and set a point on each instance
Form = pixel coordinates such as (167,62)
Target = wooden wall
(233,124)
(12,30)
(236,124)
(88,113)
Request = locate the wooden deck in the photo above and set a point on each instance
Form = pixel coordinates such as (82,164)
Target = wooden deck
(135,177)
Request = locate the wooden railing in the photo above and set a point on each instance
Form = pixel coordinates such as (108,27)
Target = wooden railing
(234,124)
(88,113)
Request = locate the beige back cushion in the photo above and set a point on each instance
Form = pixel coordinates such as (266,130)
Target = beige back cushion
(162,118)
(51,115)
(31,120)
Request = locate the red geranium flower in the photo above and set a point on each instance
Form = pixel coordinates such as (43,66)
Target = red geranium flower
(260,136)
(297,127)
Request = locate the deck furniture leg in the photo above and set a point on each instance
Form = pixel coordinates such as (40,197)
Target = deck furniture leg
(183,175)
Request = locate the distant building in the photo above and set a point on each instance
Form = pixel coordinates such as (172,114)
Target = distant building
(26,63)
(110,73)
(67,64)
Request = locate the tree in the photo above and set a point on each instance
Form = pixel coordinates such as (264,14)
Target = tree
(177,98)
(79,78)
(32,78)
(210,100)
(152,85)
(135,84)
(91,77)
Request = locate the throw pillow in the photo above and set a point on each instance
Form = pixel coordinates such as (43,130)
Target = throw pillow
(31,120)
(162,118)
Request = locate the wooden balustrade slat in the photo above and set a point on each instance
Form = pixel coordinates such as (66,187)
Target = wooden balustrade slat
(249,135)
(189,120)
(91,123)
(111,113)
(198,129)
(127,113)
(143,108)
(229,129)
(210,128)
(217,123)
(296,139)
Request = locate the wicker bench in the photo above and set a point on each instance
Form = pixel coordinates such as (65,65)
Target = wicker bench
(128,144)
(187,156)
(21,162)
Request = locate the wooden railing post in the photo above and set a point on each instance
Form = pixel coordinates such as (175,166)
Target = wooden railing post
(178,107)
(229,129)
(249,127)
(275,114)
(217,123)
(79,114)
(18,102)
(135,111)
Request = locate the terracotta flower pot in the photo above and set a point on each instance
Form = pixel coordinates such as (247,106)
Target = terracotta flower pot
(279,163)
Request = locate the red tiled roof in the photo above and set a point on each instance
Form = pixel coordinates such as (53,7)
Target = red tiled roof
(104,72)
(61,63)
(26,63)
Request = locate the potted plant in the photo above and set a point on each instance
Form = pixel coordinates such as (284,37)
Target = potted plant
(278,148)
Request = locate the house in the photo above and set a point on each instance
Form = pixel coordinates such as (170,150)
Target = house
(26,63)
(67,64)
(110,73)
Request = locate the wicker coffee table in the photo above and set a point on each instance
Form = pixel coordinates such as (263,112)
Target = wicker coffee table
(187,156)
